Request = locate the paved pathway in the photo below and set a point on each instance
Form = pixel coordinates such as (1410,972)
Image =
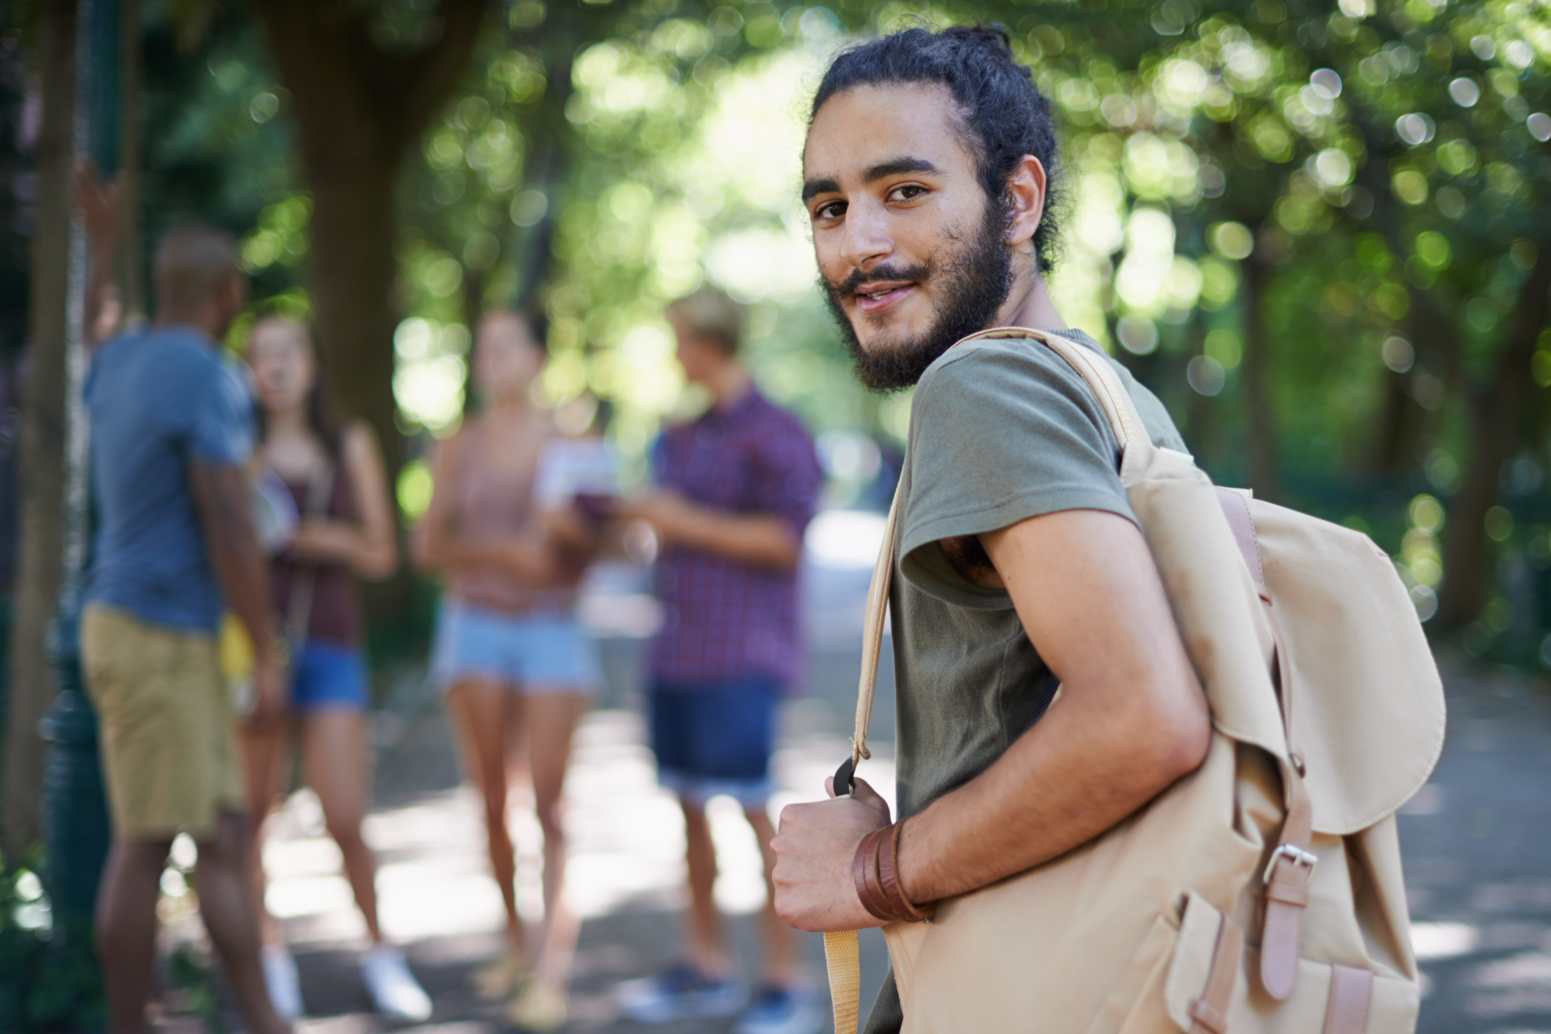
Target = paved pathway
(1477,851)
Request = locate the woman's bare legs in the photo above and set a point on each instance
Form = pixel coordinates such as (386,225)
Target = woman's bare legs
(551,715)
(482,710)
(335,765)
(263,756)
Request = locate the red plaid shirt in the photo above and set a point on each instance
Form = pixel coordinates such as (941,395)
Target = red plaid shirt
(726,619)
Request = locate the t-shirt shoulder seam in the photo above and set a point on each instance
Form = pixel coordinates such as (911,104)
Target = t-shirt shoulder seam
(1080,497)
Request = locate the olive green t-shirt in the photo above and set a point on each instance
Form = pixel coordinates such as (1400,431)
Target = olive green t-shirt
(1000,430)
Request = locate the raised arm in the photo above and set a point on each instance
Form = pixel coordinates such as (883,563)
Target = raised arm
(1131,719)
(787,481)
(368,544)
(98,205)
(220,493)
(763,539)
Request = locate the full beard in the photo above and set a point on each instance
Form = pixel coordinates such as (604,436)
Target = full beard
(972,281)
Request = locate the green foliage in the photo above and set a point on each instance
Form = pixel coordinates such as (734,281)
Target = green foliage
(48,976)
(1307,224)
(218,140)
(195,988)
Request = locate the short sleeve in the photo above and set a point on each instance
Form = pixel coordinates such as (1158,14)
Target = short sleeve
(789,477)
(222,430)
(1000,432)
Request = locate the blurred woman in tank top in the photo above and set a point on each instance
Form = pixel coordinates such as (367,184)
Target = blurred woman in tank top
(343,530)
(510,655)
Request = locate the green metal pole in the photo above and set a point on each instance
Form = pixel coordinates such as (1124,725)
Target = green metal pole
(75,816)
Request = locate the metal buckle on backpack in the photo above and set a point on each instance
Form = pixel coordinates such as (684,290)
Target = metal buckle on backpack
(1297,855)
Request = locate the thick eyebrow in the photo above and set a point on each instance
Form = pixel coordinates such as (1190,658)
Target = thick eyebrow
(813,188)
(895,166)
(892,167)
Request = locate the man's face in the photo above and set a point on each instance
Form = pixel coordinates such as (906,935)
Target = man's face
(698,355)
(910,249)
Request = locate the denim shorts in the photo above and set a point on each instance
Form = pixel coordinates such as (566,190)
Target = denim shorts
(328,675)
(715,739)
(544,652)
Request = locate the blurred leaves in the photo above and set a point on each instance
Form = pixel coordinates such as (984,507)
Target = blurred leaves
(1313,227)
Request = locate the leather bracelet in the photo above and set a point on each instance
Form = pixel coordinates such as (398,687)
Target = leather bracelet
(888,876)
(875,872)
(864,868)
(876,839)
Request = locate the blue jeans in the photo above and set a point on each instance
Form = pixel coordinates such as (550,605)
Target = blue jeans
(715,739)
(328,675)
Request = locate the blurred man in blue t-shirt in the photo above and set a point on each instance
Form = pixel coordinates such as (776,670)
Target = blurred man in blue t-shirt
(170,435)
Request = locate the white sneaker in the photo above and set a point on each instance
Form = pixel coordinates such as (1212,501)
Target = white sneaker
(280,977)
(394,990)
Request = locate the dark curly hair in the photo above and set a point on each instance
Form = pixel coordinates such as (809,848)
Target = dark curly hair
(1003,116)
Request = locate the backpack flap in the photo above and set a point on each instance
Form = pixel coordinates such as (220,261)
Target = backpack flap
(1365,698)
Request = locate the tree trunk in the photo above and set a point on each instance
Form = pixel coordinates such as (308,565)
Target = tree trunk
(1396,430)
(1497,417)
(354,311)
(1261,447)
(41,446)
(353,269)
(358,108)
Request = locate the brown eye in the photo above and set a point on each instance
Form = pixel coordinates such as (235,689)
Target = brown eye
(908,192)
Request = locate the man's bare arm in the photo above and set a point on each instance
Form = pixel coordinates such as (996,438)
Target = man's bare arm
(97,203)
(762,539)
(220,493)
(1131,719)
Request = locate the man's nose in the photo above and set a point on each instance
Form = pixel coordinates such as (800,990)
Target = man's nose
(865,238)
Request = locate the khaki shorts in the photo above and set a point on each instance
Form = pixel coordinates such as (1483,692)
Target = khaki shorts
(167,725)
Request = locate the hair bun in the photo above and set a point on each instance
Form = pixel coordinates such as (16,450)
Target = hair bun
(994,36)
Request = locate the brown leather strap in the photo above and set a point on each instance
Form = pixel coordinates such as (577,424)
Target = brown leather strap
(875,840)
(1291,867)
(1287,891)
(1209,1013)
(864,872)
(888,876)
(1351,992)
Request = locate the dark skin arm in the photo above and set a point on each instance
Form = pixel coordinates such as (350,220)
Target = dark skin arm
(1132,719)
(762,539)
(220,493)
(97,203)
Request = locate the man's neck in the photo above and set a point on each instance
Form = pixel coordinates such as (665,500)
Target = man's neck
(203,321)
(727,384)
(1029,305)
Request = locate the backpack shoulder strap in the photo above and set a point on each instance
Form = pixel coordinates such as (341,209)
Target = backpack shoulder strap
(1095,370)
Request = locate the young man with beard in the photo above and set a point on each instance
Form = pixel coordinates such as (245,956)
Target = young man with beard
(1018,564)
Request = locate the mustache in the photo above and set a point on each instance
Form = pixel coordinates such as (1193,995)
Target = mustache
(877,275)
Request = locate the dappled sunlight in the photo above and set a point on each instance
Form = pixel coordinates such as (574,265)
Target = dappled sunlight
(627,845)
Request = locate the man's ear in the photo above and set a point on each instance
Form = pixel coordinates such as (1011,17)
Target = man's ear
(1025,200)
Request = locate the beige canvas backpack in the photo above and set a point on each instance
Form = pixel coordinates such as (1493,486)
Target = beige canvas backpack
(1261,893)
